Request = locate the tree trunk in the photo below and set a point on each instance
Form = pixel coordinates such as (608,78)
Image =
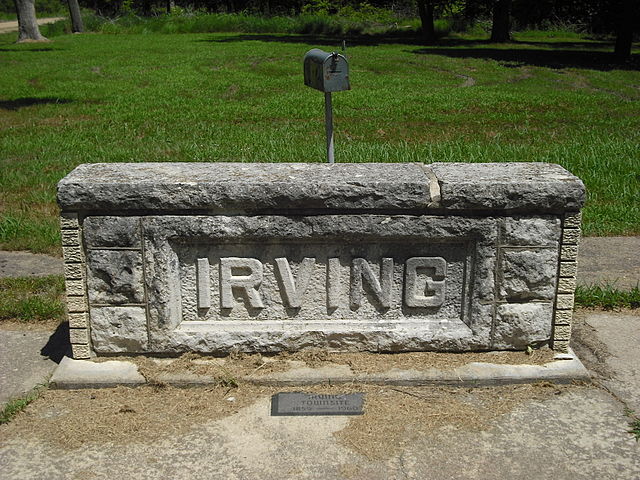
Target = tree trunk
(624,29)
(28,30)
(146,8)
(76,18)
(501,27)
(170,5)
(425,10)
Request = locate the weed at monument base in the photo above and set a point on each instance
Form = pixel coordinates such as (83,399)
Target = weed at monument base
(634,423)
(15,406)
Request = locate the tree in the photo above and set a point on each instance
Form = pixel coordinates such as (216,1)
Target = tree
(425,10)
(76,18)
(624,28)
(501,26)
(28,30)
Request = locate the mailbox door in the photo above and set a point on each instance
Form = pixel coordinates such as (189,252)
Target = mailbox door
(336,74)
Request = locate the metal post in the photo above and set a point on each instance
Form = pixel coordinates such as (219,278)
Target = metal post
(328,118)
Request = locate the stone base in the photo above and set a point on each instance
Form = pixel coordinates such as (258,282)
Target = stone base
(565,368)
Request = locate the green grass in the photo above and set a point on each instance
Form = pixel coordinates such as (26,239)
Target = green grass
(15,406)
(32,299)
(634,425)
(607,297)
(236,97)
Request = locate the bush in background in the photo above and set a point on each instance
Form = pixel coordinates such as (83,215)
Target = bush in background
(363,19)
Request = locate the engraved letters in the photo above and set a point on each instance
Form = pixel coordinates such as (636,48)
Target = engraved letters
(425,290)
(249,283)
(361,270)
(203,283)
(241,280)
(292,295)
(333,283)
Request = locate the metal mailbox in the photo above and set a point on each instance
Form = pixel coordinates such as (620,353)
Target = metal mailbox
(327,72)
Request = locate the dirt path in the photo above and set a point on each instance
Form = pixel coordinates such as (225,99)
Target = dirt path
(26,264)
(12,26)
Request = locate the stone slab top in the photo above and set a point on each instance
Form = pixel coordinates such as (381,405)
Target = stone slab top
(244,187)
(508,186)
(316,187)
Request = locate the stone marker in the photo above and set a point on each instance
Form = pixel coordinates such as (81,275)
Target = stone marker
(176,257)
(309,404)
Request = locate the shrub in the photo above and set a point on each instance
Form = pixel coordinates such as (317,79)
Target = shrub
(362,19)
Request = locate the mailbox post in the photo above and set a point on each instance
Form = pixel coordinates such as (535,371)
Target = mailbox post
(327,72)
(328,125)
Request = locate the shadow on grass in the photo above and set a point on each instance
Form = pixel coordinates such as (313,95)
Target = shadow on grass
(409,38)
(588,55)
(58,344)
(550,58)
(19,103)
(23,49)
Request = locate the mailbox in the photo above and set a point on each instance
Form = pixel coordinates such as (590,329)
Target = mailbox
(327,72)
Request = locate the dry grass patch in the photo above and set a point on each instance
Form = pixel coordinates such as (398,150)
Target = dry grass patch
(371,363)
(72,418)
(239,365)
(394,416)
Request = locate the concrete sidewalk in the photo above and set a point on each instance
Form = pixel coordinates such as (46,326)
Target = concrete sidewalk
(609,261)
(28,359)
(28,355)
(26,264)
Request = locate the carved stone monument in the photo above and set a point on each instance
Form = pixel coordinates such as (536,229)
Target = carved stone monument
(174,257)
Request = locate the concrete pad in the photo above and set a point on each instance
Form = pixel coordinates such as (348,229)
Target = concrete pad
(474,374)
(620,333)
(579,435)
(26,264)
(90,374)
(25,362)
(609,261)
(186,379)
(72,374)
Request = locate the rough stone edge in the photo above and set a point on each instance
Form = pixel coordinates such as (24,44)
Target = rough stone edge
(78,191)
(75,279)
(493,196)
(119,250)
(76,374)
(565,291)
(434,186)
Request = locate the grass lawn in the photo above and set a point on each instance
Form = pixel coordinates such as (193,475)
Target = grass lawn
(607,297)
(233,97)
(32,299)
